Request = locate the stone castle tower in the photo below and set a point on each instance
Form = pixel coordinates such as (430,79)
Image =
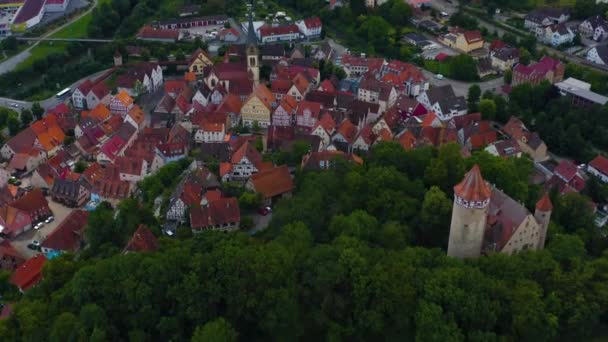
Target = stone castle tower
(542,214)
(469,214)
(486,220)
(253,53)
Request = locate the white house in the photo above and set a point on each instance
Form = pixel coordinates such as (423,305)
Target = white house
(269,34)
(557,35)
(210,132)
(599,168)
(594,27)
(310,27)
(598,55)
(443,102)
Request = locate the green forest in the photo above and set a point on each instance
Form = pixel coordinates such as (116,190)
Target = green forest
(358,253)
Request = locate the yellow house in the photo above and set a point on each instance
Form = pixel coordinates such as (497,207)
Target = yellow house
(258,107)
(464,41)
(198,61)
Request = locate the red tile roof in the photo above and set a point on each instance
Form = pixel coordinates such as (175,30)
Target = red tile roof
(142,241)
(348,130)
(545,65)
(69,234)
(267,30)
(247,150)
(473,36)
(273,182)
(328,86)
(473,188)
(544,204)
(100,90)
(32,202)
(30,9)
(7,249)
(566,170)
(148,32)
(312,23)
(174,86)
(29,273)
(217,213)
(600,163)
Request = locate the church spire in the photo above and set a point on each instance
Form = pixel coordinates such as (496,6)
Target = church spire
(252,39)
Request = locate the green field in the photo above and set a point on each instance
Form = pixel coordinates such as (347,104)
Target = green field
(77,29)
(40,51)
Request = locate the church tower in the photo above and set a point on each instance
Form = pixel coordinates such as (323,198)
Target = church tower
(253,54)
(469,214)
(542,214)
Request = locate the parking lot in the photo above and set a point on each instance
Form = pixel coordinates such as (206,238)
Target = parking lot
(20,243)
(430,54)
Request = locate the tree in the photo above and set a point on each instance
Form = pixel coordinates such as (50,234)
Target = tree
(508,76)
(9,43)
(473,97)
(255,128)
(487,108)
(26,117)
(37,110)
(14,126)
(250,200)
(65,328)
(183,232)
(80,166)
(246,223)
(524,56)
(218,330)
(259,144)
(463,67)
(567,248)
(435,219)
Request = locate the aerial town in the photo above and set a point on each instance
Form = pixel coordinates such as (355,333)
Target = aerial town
(328,170)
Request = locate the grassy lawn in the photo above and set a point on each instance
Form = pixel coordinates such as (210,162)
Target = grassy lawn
(77,29)
(41,51)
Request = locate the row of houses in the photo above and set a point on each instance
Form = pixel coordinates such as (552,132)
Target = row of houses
(309,28)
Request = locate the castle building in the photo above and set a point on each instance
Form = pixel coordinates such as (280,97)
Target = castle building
(486,220)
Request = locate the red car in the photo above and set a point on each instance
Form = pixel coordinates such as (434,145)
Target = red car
(264,211)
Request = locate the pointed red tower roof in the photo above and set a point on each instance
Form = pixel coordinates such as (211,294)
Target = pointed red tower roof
(544,204)
(473,187)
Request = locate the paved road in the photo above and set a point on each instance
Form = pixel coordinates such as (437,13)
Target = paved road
(49,103)
(11,63)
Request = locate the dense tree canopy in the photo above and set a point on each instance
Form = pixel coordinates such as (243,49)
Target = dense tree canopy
(357,254)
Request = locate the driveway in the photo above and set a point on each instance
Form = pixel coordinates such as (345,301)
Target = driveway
(260,223)
(59,212)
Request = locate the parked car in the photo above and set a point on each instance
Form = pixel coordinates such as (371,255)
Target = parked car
(264,211)
(439,76)
(38,225)
(33,247)
(49,220)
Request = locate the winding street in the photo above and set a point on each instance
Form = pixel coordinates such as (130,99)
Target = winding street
(11,63)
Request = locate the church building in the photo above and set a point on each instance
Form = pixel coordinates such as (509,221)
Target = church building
(486,220)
